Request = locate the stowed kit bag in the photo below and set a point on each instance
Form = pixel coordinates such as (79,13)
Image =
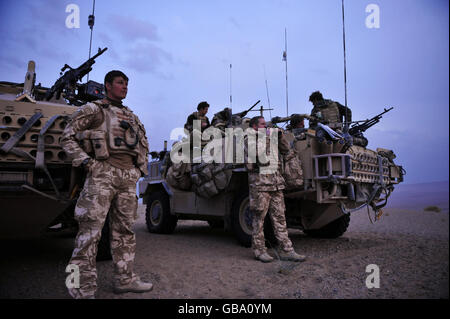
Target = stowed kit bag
(292,172)
(292,169)
(210,179)
(179,176)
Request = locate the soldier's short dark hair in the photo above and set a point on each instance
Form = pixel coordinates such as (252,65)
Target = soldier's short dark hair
(254,120)
(111,75)
(315,96)
(202,105)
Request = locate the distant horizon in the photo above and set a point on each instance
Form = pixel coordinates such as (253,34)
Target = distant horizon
(432,182)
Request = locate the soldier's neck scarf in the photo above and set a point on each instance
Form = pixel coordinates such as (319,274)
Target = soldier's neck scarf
(114,102)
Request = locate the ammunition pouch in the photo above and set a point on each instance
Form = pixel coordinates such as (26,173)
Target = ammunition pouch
(94,143)
(99,144)
(84,139)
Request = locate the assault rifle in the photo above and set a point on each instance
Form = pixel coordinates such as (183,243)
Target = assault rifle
(68,81)
(357,129)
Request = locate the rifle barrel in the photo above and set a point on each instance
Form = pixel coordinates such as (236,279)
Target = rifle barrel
(99,53)
(253,106)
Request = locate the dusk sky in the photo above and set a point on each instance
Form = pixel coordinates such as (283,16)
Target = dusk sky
(178,53)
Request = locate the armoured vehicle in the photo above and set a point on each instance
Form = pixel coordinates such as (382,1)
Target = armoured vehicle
(339,177)
(38,185)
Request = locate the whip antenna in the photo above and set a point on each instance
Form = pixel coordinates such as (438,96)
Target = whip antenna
(231,97)
(267,90)
(91,21)
(345,70)
(285,60)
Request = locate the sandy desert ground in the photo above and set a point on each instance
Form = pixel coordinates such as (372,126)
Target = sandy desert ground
(409,245)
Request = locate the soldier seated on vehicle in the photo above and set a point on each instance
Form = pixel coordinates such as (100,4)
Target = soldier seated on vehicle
(222,119)
(297,125)
(202,109)
(328,112)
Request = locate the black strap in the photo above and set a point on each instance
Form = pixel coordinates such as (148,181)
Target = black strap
(13,140)
(40,156)
(40,148)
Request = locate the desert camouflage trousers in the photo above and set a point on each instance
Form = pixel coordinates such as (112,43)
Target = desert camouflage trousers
(262,203)
(113,190)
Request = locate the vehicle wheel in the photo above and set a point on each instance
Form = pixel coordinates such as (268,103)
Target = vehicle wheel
(104,245)
(157,214)
(241,221)
(333,230)
(216,224)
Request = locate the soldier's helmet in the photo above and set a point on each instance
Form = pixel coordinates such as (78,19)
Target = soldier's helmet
(315,96)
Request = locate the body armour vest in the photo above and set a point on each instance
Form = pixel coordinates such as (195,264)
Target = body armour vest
(329,113)
(119,133)
(195,116)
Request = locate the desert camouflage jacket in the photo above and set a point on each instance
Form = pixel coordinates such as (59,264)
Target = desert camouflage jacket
(89,117)
(264,171)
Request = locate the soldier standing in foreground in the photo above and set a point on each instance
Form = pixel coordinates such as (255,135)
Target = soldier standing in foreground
(266,196)
(107,140)
(328,112)
(202,109)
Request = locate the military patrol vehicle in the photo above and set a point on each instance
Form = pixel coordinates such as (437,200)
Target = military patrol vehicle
(38,185)
(339,178)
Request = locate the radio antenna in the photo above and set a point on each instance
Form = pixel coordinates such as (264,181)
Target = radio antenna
(285,60)
(91,21)
(345,70)
(231,96)
(267,90)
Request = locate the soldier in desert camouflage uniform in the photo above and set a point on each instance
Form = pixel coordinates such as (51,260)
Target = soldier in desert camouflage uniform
(202,109)
(328,112)
(109,142)
(266,186)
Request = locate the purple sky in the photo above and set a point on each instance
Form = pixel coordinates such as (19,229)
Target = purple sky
(177,53)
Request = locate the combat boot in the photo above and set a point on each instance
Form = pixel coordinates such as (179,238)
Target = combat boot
(265,258)
(134,286)
(291,256)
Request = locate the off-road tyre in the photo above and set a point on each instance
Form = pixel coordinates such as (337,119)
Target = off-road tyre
(158,218)
(334,229)
(241,222)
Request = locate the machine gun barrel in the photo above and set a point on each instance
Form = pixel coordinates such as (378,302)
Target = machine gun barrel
(278,119)
(244,113)
(85,68)
(359,128)
(71,77)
